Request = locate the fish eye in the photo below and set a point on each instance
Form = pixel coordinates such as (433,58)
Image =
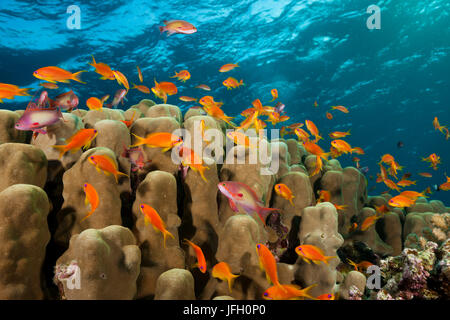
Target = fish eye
(92,157)
(85,185)
(258,246)
(329,296)
(201,268)
(142,206)
(265,294)
(95,131)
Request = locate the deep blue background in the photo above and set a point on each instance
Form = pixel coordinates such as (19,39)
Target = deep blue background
(394,81)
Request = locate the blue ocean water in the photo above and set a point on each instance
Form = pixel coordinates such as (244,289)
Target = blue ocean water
(394,80)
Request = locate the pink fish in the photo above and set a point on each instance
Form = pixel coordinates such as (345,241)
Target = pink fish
(136,156)
(43,100)
(118,97)
(36,118)
(66,101)
(177,26)
(240,194)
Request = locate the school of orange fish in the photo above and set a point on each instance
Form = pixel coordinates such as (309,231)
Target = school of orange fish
(253,120)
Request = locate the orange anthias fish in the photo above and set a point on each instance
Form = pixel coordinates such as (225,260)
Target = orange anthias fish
(187,99)
(413,195)
(326,296)
(190,159)
(159,92)
(369,221)
(151,216)
(207,101)
(401,201)
(82,138)
(288,292)
(218,113)
(9,91)
(425,174)
(141,88)
(358,150)
(312,253)
(339,134)
(329,116)
(232,83)
(324,196)
(313,129)
(342,146)
(315,149)
(94,103)
(203,87)
(340,108)
(107,165)
(103,69)
(387,158)
(141,78)
(121,79)
(201,261)
(163,140)
(274,93)
(168,87)
(91,198)
(405,183)
(437,126)
(177,26)
(49,85)
(55,74)
(228,67)
(283,190)
(222,271)
(382,209)
(361,266)
(183,75)
(301,134)
(446,185)
(268,263)
(434,159)
(391,184)
(240,138)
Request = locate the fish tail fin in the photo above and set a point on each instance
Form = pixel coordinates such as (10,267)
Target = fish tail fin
(328,258)
(201,170)
(306,292)
(263,213)
(165,234)
(290,200)
(87,216)
(117,174)
(231,281)
(77,76)
(93,63)
(62,150)
(140,141)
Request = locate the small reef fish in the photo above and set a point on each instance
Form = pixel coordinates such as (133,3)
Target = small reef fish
(358,150)
(437,126)
(329,116)
(326,296)
(141,78)
(158,92)
(55,74)
(288,292)
(190,159)
(218,113)
(283,191)
(82,138)
(9,91)
(177,26)
(301,134)
(312,253)
(268,263)
(232,83)
(279,107)
(49,85)
(168,87)
(240,194)
(163,140)
(313,129)
(342,146)
(91,198)
(274,93)
(187,99)
(340,108)
(316,104)
(405,183)
(203,87)
(401,202)
(412,194)
(446,185)
(121,79)
(36,118)
(107,165)
(222,271)
(141,88)
(102,69)
(94,103)
(368,222)
(136,156)
(240,138)
(208,101)
(151,216)
(434,160)
(391,184)
(183,75)
(201,261)
(119,96)
(361,266)
(324,196)
(339,134)
(382,209)
(228,67)
(425,174)
(66,101)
